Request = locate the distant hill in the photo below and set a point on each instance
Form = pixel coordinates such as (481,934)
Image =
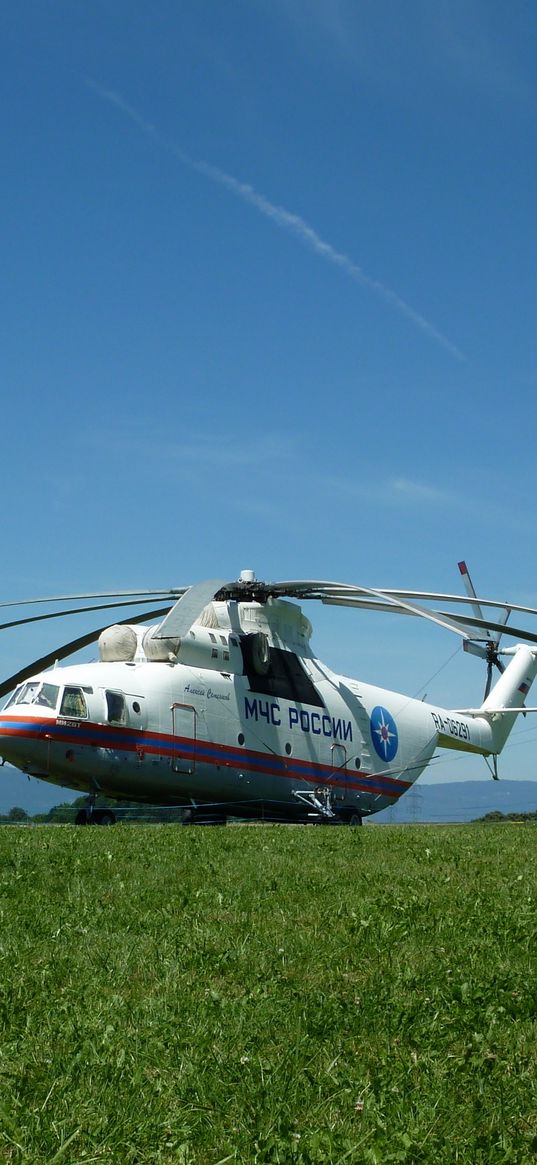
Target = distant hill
(461,801)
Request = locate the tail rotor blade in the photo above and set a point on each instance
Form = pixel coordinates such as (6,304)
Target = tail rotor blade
(471,592)
(474,648)
(488,650)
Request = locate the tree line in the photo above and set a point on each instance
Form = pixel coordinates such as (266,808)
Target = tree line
(65,813)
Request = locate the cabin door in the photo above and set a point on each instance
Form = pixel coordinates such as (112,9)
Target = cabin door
(339,764)
(184,732)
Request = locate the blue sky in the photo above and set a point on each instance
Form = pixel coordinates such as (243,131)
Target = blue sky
(269,274)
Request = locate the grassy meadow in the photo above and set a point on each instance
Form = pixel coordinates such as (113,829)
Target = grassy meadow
(268,994)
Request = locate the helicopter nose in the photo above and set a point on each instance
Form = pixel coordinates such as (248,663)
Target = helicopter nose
(24,742)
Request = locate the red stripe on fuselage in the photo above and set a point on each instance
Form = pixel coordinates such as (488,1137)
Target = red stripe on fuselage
(92,735)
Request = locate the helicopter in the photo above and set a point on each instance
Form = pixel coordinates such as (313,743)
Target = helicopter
(223,708)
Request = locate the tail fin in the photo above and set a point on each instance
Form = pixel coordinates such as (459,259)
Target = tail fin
(510,693)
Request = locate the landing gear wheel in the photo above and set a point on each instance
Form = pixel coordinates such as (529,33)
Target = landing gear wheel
(201,816)
(103,817)
(81,817)
(355,819)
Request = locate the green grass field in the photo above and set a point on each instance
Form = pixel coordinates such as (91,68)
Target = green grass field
(257,994)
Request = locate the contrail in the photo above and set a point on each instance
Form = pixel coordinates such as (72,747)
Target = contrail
(282,218)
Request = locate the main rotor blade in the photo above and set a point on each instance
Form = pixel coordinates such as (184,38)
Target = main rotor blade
(435,617)
(161,593)
(486,624)
(73,611)
(321,589)
(432,596)
(187,609)
(396,606)
(45,661)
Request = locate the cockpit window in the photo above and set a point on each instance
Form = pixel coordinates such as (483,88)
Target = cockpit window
(47,695)
(34,693)
(26,694)
(74,704)
(12,699)
(116,708)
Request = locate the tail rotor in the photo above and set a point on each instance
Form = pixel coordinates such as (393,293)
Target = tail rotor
(489,647)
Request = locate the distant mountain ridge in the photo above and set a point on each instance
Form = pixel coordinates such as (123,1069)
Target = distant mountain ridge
(461,801)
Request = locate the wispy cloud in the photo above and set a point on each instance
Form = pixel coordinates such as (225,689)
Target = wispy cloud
(282,218)
(420,491)
(419,497)
(459,44)
(196,453)
(390,491)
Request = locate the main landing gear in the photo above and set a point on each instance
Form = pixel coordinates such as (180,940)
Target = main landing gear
(350,817)
(92,816)
(204,816)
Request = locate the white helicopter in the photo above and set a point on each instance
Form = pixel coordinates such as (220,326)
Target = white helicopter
(222,707)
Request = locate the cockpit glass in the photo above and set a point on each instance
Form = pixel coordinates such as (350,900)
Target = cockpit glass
(47,695)
(27,694)
(34,693)
(74,704)
(12,699)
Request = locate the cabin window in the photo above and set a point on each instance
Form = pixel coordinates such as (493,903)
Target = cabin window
(116,708)
(74,704)
(47,695)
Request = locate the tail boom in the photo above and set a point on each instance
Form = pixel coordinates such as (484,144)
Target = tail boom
(493,721)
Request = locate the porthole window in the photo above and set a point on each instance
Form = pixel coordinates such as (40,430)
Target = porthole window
(240,738)
(288,749)
(136,707)
(357,762)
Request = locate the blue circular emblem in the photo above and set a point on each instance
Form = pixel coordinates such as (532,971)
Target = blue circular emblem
(384,733)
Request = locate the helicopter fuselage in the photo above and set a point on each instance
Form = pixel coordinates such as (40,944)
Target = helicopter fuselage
(247,719)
